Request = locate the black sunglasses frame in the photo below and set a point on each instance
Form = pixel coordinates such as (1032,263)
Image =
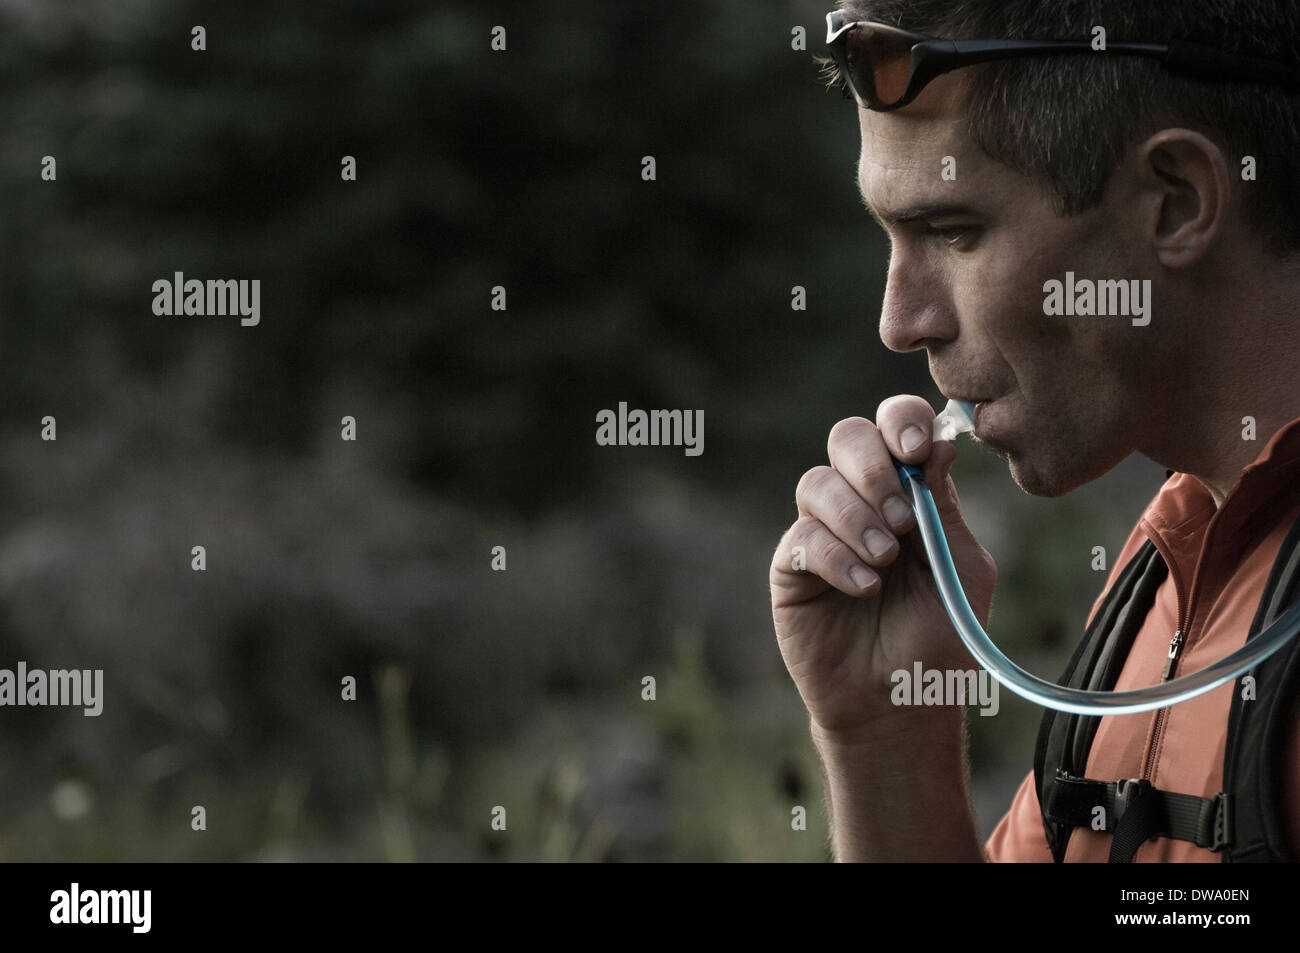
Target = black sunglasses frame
(932,56)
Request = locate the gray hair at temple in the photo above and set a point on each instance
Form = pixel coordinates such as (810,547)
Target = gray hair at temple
(1068,120)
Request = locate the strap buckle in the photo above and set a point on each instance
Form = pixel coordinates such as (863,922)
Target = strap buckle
(1126,792)
(1223,832)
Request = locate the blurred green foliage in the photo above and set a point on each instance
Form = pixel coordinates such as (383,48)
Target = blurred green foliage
(477,689)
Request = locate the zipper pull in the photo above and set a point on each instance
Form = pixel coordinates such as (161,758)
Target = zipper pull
(1175,644)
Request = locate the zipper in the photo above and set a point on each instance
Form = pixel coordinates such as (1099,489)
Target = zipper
(1171,663)
(1176,644)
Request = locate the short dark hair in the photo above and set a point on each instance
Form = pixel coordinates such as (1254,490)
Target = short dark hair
(1068,120)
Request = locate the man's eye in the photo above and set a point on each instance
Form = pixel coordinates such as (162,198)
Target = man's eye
(949,234)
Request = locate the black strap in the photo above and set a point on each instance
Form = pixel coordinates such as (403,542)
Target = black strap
(1245,820)
(1259,727)
(1064,739)
(1134,812)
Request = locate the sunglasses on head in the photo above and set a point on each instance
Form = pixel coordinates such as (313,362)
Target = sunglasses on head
(884,67)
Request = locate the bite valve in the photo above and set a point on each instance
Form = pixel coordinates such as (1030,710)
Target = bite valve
(957,418)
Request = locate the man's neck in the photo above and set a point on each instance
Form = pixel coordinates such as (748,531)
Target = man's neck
(1246,395)
(1236,451)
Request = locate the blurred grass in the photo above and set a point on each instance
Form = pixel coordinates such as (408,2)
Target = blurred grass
(520,689)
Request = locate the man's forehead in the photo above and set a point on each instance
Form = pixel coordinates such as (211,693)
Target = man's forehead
(898,185)
(901,165)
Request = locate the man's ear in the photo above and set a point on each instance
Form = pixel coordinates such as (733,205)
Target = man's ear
(1186,176)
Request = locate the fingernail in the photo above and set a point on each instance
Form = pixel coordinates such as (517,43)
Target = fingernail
(862,577)
(896,511)
(877,542)
(912,438)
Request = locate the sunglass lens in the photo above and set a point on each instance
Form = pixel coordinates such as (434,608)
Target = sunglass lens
(879,62)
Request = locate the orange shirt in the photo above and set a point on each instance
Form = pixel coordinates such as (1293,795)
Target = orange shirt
(1219,562)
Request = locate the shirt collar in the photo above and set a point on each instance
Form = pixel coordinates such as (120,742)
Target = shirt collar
(1184,507)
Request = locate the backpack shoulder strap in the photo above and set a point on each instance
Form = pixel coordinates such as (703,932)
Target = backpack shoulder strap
(1261,722)
(1065,739)
(1245,820)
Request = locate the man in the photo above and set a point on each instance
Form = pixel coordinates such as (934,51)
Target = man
(993,181)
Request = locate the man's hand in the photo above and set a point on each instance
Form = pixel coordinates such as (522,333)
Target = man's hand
(865,604)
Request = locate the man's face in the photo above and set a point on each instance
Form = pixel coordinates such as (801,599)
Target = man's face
(1066,397)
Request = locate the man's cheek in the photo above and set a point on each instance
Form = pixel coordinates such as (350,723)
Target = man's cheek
(1003,288)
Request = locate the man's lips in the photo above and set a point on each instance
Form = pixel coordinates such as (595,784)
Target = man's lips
(976,401)
(979,405)
(988,429)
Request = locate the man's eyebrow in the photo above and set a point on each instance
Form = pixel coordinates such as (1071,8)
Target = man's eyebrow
(918,212)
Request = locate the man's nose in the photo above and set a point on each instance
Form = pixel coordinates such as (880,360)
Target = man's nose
(916,311)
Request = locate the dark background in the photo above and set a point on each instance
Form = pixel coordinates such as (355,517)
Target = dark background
(476,429)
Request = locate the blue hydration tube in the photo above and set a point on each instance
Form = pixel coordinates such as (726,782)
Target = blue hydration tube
(1049,694)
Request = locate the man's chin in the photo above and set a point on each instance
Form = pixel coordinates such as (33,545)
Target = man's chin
(1045,468)
(1026,476)
(1014,461)
(1035,480)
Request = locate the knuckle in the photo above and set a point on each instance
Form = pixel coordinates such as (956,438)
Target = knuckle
(846,429)
(849,513)
(898,402)
(826,549)
(804,528)
(811,481)
(795,543)
(878,473)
